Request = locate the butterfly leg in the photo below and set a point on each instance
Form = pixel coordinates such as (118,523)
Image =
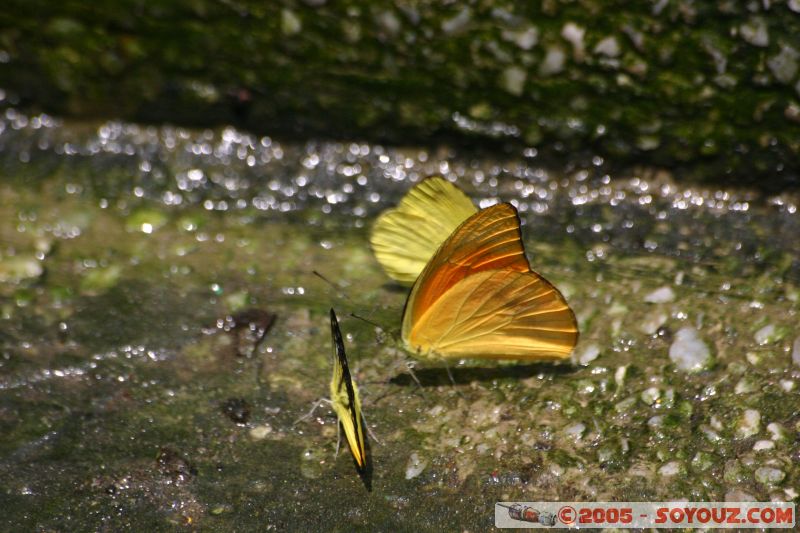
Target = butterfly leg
(308,415)
(338,437)
(410,367)
(452,379)
(369,431)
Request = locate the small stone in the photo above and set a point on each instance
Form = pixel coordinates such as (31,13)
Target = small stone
(588,354)
(763,445)
(784,64)
(745,386)
(608,47)
(513,80)
(415,466)
(766,334)
(670,469)
(619,376)
(796,351)
(655,423)
(525,39)
(776,431)
(290,22)
(794,5)
(688,351)
(574,34)
(702,461)
(750,424)
(755,31)
(625,405)
(553,62)
(389,22)
(575,430)
(652,322)
(651,395)
(260,432)
(458,22)
(661,295)
(769,476)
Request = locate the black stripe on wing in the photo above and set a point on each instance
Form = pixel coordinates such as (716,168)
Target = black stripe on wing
(347,381)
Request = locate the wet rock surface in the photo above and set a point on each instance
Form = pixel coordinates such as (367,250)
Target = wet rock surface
(131,255)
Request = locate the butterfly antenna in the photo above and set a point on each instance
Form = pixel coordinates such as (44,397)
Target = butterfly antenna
(392,334)
(339,292)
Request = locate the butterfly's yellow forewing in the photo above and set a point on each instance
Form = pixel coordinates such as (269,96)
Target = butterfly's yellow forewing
(344,398)
(478,298)
(406,237)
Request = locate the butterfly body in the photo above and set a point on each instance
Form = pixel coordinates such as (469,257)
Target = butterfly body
(477,296)
(345,400)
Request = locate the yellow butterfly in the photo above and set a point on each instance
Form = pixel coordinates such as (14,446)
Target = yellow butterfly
(478,298)
(406,237)
(345,400)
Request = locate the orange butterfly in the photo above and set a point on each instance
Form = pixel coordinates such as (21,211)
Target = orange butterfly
(478,298)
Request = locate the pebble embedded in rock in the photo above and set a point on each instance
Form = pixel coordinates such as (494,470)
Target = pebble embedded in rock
(575,430)
(651,395)
(750,423)
(608,47)
(688,351)
(588,354)
(260,432)
(766,334)
(513,80)
(769,476)
(415,466)
(670,469)
(652,323)
(763,445)
(661,295)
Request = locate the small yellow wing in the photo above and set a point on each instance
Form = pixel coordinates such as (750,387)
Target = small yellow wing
(478,298)
(345,401)
(406,237)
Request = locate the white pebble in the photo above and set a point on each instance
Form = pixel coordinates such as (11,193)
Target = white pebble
(575,430)
(670,469)
(661,295)
(553,62)
(260,432)
(513,80)
(776,431)
(608,47)
(755,31)
(688,351)
(574,34)
(763,445)
(651,395)
(765,334)
(769,476)
(750,424)
(415,466)
(588,354)
(652,322)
